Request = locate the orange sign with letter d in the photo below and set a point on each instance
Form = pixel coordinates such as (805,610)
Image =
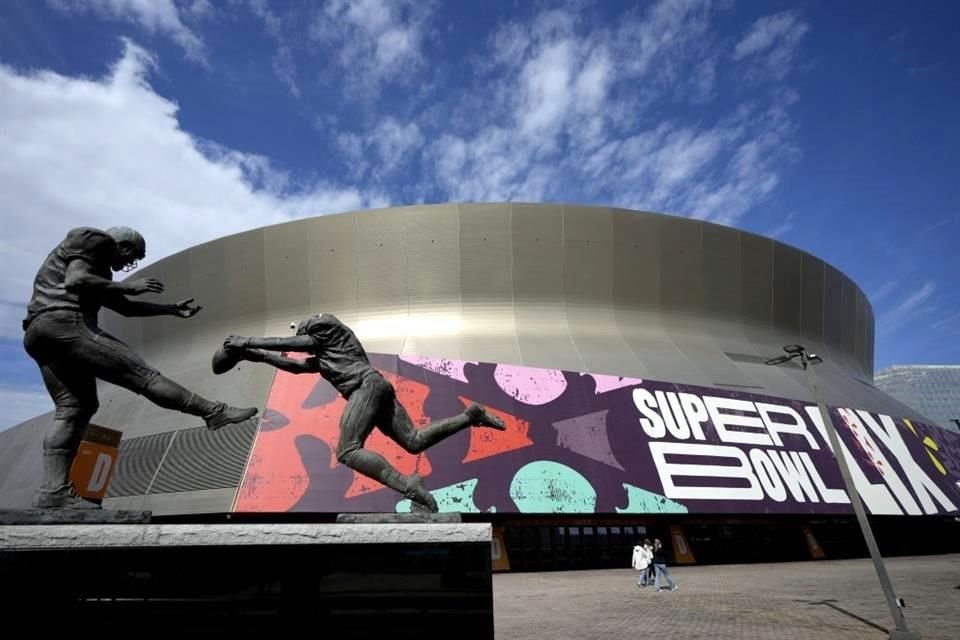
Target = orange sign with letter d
(96,459)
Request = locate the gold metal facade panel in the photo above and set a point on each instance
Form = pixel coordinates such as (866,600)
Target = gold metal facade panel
(540,300)
(486,284)
(434,323)
(286,249)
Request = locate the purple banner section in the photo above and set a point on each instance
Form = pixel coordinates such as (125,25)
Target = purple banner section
(587,443)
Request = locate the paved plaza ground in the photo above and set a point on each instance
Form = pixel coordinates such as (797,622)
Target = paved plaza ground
(820,600)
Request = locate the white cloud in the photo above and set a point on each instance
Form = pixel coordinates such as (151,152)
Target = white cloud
(351,145)
(546,89)
(782,228)
(567,107)
(745,180)
(682,155)
(491,165)
(916,297)
(156,16)
(908,310)
(663,43)
(885,290)
(393,141)
(776,37)
(111,151)
(592,82)
(542,87)
(284,65)
(199,9)
(374,41)
(19,405)
(382,149)
(286,69)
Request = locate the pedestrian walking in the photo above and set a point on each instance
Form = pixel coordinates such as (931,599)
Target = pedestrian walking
(660,567)
(642,556)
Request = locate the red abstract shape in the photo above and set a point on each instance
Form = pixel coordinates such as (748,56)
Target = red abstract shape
(276,479)
(490,442)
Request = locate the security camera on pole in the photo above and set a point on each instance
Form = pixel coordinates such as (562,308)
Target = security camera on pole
(798,351)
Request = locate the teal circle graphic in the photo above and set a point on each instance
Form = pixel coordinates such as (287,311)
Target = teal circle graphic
(544,486)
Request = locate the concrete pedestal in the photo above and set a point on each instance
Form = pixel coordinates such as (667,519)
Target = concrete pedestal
(389,581)
(72,516)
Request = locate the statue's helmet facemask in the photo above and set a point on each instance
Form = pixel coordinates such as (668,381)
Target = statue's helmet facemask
(130,261)
(131,248)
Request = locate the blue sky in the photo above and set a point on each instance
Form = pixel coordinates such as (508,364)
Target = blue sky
(831,126)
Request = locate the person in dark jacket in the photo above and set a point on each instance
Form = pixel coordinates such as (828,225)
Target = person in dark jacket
(660,566)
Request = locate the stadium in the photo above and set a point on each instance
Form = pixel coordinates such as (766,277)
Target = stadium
(625,351)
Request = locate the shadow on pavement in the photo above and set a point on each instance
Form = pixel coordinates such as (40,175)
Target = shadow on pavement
(830,604)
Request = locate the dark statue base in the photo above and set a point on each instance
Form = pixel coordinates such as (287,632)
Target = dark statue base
(398,518)
(72,516)
(397,581)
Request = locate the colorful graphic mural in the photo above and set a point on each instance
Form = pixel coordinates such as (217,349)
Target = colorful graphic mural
(584,443)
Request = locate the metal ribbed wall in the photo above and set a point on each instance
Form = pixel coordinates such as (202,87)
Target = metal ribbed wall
(583,288)
(570,287)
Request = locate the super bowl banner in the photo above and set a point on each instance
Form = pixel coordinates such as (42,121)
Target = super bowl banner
(584,443)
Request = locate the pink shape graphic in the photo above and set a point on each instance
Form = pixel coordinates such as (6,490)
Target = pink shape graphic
(609,383)
(530,385)
(587,435)
(864,442)
(443,366)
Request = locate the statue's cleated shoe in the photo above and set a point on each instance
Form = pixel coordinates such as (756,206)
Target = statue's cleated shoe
(225,414)
(419,496)
(479,417)
(225,359)
(416,507)
(66,497)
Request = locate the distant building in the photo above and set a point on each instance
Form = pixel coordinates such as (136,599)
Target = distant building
(932,390)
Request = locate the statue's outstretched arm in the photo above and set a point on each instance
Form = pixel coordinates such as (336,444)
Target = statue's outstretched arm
(139,308)
(301,344)
(80,278)
(281,362)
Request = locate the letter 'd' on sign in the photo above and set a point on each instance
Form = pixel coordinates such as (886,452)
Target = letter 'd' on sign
(101,471)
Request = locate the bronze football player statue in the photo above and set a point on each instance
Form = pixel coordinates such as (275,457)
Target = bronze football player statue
(337,355)
(62,335)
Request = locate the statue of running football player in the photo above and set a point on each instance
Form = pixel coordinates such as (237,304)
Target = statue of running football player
(337,355)
(61,333)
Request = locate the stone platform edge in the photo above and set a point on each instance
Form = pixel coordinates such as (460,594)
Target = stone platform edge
(102,536)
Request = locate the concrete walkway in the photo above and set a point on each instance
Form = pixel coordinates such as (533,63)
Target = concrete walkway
(819,600)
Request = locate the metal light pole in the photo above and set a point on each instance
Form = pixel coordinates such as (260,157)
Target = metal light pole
(798,351)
